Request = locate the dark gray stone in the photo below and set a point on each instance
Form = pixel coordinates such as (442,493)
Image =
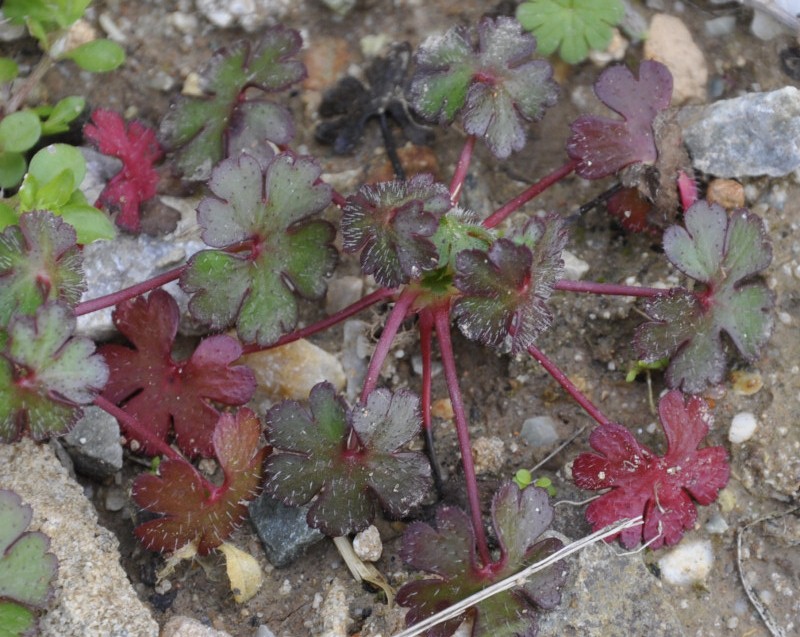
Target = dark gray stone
(283,530)
(94,444)
(747,136)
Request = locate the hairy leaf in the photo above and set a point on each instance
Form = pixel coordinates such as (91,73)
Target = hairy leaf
(45,374)
(138,149)
(722,253)
(391,223)
(573,25)
(26,568)
(191,508)
(660,488)
(602,146)
(347,458)
(488,76)
(166,395)
(205,129)
(39,262)
(505,290)
(267,211)
(448,552)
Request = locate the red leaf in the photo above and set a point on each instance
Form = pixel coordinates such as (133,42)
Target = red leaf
(192,508)
(660,488)
(138,149)
(165,394)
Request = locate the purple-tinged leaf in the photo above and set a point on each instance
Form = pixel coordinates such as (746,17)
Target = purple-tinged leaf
(166,395)
(46,374)
(449,553)
(266,213)
(722,253)
(489,77)
(346,458)
(193,510)
(602,146)
(505,290)
(391,224)
(660,488)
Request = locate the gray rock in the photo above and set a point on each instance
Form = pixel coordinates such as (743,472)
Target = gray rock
(115,499)
(356,350)
(94,444)
(251,15)
(283,530)
(747,136)
(721,26)
(180,626)
(540,431)
(607,594)
(92,594)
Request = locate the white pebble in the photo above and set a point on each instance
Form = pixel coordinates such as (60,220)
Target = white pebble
(367,544)
(689,563)
(743,426)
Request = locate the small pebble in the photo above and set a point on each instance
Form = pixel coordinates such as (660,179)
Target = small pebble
(574,267)
(689,563)
(443,409)
(367,544)
(540,431)
(115,499)
(743,426)
(716,525)
(728,193)
(489,455)
(263,631)
(746,383)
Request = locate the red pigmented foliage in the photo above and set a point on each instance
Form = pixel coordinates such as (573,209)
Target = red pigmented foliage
(194,510)
(660,488)
(165,394)
(630,208)
(138,149)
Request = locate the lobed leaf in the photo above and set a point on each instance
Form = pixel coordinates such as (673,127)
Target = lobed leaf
(392,223)
(505,289)
(136,145)
(192,509)
(602,146)
(26,568)
(722,253)
(448,552)
(346,459)
(572,26)
(46,374)
(660,488)
(268,210)
(486,75)
(166,395)
(204,130)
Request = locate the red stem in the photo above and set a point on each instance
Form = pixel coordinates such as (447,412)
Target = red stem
(390,328)
(590,287)
(460,174)
(133,426)
(569,386)
(337,198)
(102,302)
(499,215)
(442,318)
(343,314)
(425,332)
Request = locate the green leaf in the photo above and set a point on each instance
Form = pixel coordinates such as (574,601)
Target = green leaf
(50,161)
(39,262)
(19,131)
(347,458)
(7,216)
(61,13)
(722,253)
(59,118)
(90,223)
(8,70)
(575,25)
(489,77)
(289,253)
(46,374)
(204,130)
(12,169)
(97,56)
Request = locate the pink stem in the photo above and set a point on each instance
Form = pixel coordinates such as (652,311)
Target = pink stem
(338,199)
(425,332)
(101,302)
(442,318)
(133,426)
(569,386)
(590,287)
(390,329)
(499,215)
(460,174)
(343,314)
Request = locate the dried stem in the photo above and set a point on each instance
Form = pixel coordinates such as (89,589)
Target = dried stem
(102,302)
(19,97)
(569,386)
(590,287)
(460,174)
(442,319)
(499,215)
